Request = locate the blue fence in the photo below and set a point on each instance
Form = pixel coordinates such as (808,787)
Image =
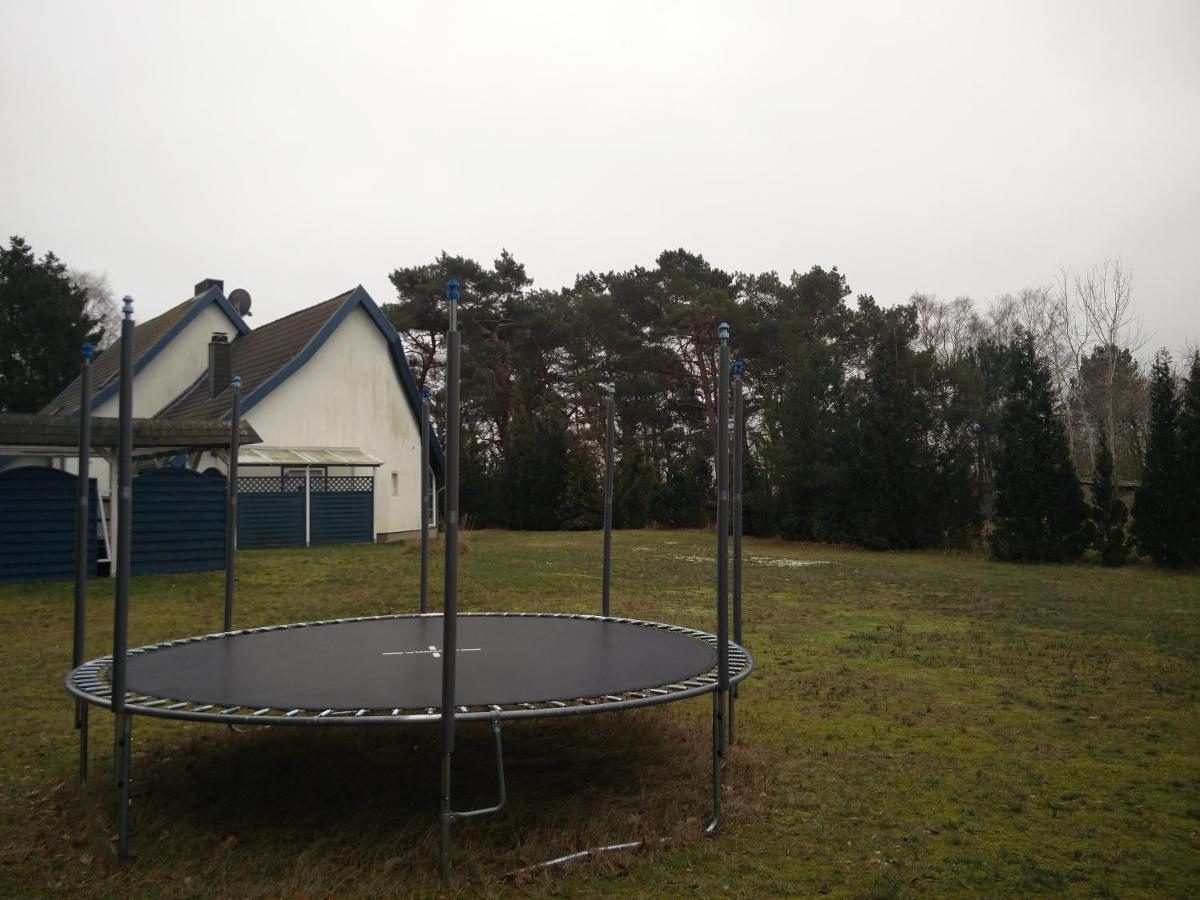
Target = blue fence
(271,510)
(344,516)
(178,522)
(37,524)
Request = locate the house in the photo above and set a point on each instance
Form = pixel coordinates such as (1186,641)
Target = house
(327,389)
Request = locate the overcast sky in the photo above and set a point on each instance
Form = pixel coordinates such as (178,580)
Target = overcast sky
(298,149)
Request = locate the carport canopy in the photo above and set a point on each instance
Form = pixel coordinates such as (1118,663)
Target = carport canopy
(306,456)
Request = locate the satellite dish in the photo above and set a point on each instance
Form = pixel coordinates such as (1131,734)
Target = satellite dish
(240,298)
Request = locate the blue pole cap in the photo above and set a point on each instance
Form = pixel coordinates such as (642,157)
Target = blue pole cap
(723,331)
(611,388)
(127,306)
(425,392)
(237,382)
(88,351)
(737,368)
(452,289)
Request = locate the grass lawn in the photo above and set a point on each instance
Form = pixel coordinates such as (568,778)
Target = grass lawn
(918,724)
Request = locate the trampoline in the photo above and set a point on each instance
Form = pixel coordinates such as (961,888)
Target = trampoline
(387,670)
(445,667)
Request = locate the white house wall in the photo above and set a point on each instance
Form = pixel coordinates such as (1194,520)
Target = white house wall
(349,395)
(175,368)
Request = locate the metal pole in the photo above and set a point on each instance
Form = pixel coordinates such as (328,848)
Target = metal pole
(231,498)
(81,548)
(609,438)
(722,466)
(450,602)
(739,427)
(121,719)
(425,499)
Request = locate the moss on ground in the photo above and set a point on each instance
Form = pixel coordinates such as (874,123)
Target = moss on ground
(919,724)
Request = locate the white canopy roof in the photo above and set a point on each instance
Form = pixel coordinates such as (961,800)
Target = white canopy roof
(259,455)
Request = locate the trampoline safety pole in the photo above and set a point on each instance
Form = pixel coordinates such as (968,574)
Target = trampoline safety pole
(231,498)
(81,548)
(609,439)
(450,590)
(122,721)
(426,500)
(739,429)
(720,697)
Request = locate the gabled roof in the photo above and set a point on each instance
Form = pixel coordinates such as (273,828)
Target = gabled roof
(149,339)
(256,357)
(267,356)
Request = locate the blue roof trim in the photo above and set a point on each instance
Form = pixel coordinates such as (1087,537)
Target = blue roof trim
(199,304)
(358,297)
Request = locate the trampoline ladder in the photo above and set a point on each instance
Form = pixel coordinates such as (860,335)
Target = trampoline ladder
(450,816)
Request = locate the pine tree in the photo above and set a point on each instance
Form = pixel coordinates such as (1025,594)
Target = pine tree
(1158,523)
(43,318)
(1109,512)
(1040,513)
(1189,458)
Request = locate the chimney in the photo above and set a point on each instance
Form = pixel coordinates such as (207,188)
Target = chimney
(220,363)
(202,286)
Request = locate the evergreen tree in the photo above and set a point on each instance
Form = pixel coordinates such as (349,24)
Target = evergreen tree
(683,497)
(477,485)
(1189,457)
(1040,512)
(580,507)
(758,503)
(1158,521)
(634,486)
(44,319)
(889,486)
(533,471)
(1109,512)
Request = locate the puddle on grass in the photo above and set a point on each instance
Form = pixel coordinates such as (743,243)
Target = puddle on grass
(782,562)
(786,563)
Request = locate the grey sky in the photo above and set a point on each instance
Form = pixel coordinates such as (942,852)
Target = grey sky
(299,149)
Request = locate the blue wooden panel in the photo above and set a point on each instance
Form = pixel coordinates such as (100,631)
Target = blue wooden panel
(178,522)
(273,519)
(38,507)
(342,517)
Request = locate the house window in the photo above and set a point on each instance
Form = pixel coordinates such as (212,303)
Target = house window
(395,484)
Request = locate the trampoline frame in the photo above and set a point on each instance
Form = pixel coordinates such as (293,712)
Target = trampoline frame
(103,682)
(91,682)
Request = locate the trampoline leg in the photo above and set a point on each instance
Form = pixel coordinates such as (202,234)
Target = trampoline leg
(125,724)
(718,759)
(447,818)
(81,723)
(733,693)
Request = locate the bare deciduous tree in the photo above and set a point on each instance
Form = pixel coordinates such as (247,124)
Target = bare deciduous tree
(100,302)
(1105,295)
(947,329)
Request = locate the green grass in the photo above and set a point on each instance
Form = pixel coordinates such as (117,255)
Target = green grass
(918,724)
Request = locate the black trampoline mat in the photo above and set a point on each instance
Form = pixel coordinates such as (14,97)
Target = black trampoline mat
(397,663)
